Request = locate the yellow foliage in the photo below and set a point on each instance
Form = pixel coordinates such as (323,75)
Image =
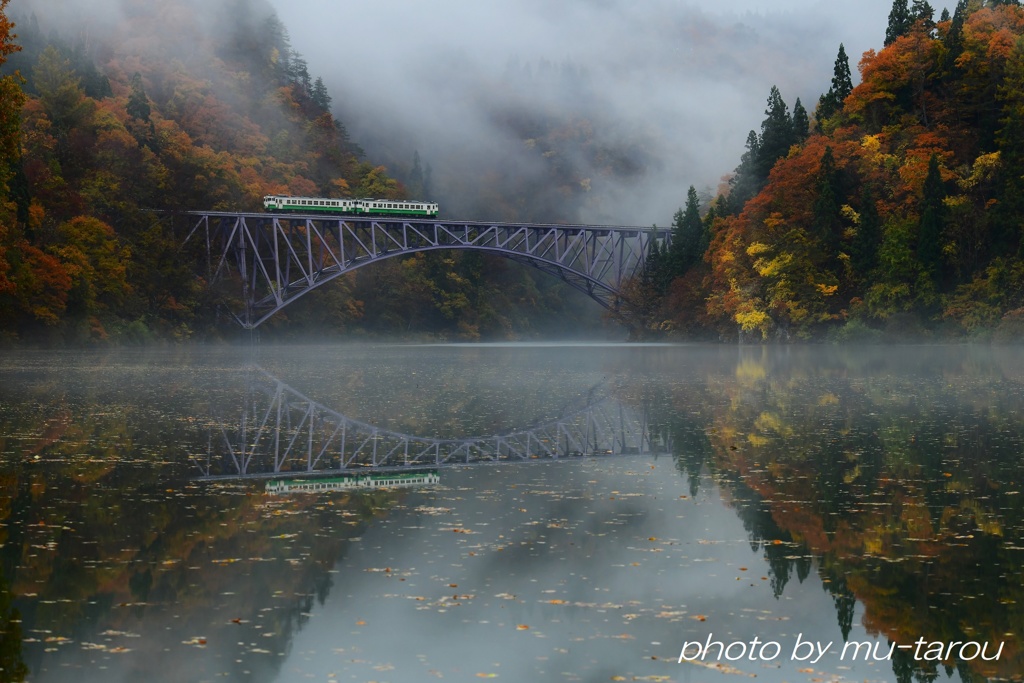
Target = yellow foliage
(826,290)
(985,168)
(769,422)
(758,440)
(753,320)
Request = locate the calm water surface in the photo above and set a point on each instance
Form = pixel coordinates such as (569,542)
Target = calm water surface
(598,507)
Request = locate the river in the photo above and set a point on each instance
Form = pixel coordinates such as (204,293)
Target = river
(524,512)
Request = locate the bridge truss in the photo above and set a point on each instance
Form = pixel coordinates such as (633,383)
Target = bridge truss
(279,258)
(282,431)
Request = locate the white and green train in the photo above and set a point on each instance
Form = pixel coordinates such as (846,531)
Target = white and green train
(377,480)
(350,207)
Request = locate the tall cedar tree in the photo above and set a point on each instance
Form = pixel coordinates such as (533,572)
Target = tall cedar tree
(687,233)
(1009,211)
(745,183)
(842,85)
(864,250)
(138,103)
(801,122)
(899,21)
(921,11)
(933,217)
(776,135)
(827,224)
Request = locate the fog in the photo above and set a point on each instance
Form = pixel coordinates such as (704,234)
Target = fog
(665,92)
(598,111)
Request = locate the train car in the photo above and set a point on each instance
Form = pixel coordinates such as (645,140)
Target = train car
(350,207)
(376,480)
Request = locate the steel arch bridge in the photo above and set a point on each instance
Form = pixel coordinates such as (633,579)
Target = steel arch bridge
(280,257)
(281,431)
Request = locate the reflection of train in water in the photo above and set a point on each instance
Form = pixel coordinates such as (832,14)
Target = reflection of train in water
(352,207)
(376,480)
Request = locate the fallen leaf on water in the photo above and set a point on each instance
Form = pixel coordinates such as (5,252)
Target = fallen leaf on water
(522,627)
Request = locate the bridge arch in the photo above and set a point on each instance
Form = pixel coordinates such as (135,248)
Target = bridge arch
(279,258)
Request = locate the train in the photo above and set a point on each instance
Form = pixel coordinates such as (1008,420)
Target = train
(375,480)
(351,207)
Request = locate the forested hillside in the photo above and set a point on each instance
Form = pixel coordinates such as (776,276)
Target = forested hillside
(110,117)
(895,211)
(889,210)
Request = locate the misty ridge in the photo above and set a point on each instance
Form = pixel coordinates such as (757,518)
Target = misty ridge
(594,112)
(600,112)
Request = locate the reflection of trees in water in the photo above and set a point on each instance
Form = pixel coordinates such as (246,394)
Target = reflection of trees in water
(900,482)
(101,534)
(12,666)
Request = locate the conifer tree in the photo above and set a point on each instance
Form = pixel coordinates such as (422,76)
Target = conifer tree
(320,96)
(842,86)
(920,10)
(801,122)
(864,250)
(1008,216)
(138,103)
(744,183)
(899,21)
(416,177)
(776,135)
(827,205)
(687,230)
(945,15)
(953,41)
(933,216)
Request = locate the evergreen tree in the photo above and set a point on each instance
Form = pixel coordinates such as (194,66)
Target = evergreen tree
(801,122)
(714,210)
(415,184)
(320,96)
(842,86)
(899,21)
(921,11)
(1008,214)
(827,225)
(428,183)
(945,15)
(138,102)
(744,183)
(953,41)
(776,135)
(656,274)
(864,250)
(933,217)
(842,82)
(687,231)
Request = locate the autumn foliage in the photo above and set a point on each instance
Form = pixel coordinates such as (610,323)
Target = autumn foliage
(900,215)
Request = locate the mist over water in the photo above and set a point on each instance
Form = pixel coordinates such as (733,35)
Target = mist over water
(665,494)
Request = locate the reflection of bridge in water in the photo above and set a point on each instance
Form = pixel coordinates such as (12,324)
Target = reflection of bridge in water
(281,431)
